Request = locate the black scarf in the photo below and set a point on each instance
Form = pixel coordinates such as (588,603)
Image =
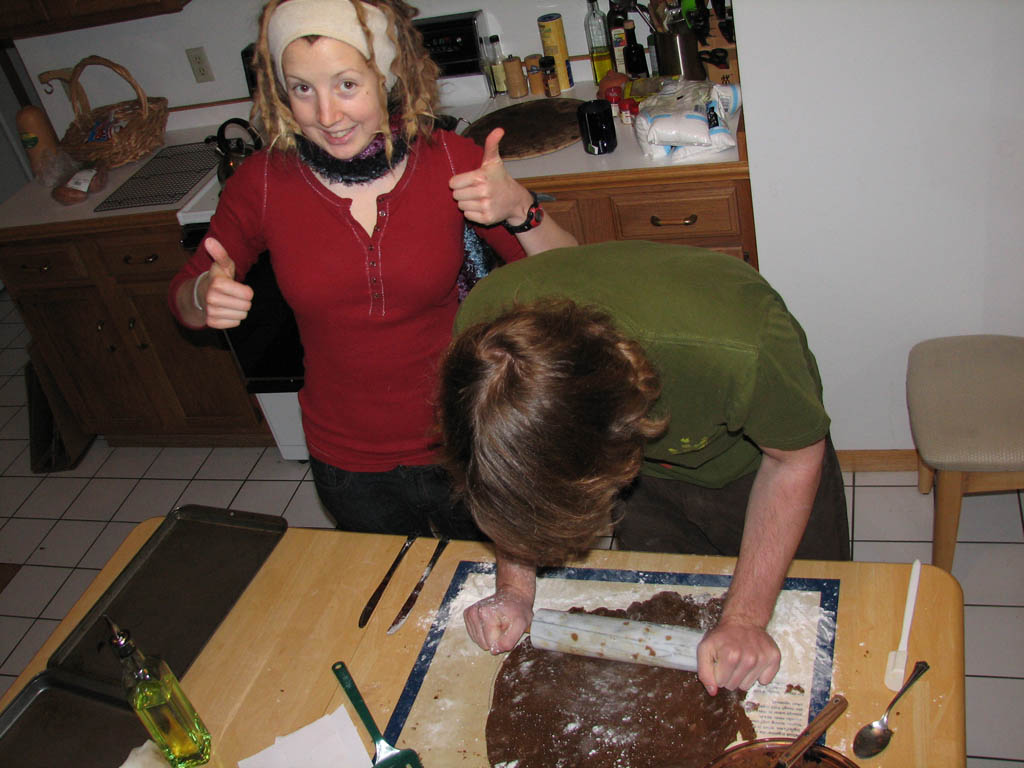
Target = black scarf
(369,165)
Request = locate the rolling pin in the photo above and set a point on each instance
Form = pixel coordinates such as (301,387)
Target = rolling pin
(602,637)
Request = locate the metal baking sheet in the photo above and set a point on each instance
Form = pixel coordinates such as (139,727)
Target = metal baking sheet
(168,176)
(173,594)
(53,723)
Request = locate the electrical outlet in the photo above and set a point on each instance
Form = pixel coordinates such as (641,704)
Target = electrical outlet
(200,64)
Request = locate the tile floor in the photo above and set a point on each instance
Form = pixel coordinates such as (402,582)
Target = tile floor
(57,531)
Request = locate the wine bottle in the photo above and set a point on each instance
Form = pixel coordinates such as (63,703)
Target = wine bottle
(635,55)
(617,34)
(597,41)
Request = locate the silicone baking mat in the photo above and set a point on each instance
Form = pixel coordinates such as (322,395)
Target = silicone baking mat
(442,709)
(168,176)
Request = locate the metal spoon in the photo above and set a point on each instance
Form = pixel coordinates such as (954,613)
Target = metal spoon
(874,737)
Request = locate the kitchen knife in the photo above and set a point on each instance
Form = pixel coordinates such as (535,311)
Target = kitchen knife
(375,597)
(603,637)
(403,614)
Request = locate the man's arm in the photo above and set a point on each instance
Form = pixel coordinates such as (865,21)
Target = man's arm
(497,622)
(739,651)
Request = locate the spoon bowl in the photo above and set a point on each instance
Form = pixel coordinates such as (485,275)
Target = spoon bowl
(874,737)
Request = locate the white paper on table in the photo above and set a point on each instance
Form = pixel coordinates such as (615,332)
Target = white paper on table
(330,742)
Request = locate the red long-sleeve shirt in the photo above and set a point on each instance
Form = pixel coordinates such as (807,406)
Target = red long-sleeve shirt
(374,311)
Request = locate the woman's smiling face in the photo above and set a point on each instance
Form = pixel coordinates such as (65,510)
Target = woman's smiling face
(334,95)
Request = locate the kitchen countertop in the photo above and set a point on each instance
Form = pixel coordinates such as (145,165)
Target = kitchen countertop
(33,205)
(267,669)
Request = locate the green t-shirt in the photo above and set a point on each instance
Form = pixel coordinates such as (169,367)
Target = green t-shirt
(735,369)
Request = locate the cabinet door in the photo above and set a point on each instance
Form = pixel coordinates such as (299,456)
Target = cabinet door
(204,389)
(94,367)
(23,12)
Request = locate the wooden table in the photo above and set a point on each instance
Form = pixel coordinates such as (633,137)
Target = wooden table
(267,670)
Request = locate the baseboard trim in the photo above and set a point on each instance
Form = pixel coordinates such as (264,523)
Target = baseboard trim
(891,460)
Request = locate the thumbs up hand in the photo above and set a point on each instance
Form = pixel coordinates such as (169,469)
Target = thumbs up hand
(489,195)
(227,301)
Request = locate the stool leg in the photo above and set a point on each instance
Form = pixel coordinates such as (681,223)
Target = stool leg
(925,476)
(949,491)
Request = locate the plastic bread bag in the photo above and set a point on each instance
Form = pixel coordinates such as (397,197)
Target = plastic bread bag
(690,113)
(671,154)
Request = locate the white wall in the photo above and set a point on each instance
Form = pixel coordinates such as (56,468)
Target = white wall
(885,157)
(885,154)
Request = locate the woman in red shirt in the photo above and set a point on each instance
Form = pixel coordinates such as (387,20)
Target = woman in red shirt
(363,205)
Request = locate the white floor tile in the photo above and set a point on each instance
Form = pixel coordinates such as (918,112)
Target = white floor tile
(128,462)
(991,517)
(7,412)
(150,498)
(52,497)
(8,333)
(66,543)
(210,493)
(891,513)
(22,464)
(229,463)
(305,510)
(31,589)
(847,478)
(89,464)
(12,630)
(990,574)
(994,718)
(6,681)
(268,497)
(19,538)
(891,551)
(178,463)
(9,451)
(100,499)
(885,478)
(272,467)
(106,544)
(15,423)
(30,644)
(994,640)
(72,589)
(12,361)
(14,491)
(980,762)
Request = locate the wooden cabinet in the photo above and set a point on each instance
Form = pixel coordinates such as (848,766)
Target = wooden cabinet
(707,206)
(26,18)
(95,304)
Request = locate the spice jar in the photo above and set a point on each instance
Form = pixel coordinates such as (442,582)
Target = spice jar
(627,109)
(534,76)
(614,95)
(547,68)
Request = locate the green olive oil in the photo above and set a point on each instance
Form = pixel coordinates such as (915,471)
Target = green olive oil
(156,696)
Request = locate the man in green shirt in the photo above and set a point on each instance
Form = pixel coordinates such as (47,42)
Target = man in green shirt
(662,386)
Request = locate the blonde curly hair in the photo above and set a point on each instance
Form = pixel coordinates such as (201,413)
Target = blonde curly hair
(413,98)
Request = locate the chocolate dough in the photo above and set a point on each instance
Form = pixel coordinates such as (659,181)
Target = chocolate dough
(553,709)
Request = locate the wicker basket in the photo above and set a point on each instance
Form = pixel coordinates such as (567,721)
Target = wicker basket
(117,133)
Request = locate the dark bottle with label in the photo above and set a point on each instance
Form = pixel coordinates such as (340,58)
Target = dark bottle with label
(635,55)
(156,696)
(617,16)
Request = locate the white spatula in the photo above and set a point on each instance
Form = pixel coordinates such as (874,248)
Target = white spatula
(896,666)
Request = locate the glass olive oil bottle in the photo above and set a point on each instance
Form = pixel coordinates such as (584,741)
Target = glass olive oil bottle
(157,698)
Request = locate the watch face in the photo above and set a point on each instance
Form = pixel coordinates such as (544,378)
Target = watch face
(538,215)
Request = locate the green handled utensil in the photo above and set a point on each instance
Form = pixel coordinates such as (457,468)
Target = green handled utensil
(386,756)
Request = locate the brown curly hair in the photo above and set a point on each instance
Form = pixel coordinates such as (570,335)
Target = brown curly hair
(544,414)
(413,98)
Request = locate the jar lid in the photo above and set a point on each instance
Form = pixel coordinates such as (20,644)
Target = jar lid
(547,61)
(613,93)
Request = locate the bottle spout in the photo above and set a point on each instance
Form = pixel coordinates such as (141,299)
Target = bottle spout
(120,639)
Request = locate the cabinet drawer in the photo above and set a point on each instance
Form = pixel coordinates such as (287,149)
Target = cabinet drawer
(679,214)
(142,255)
(41,264)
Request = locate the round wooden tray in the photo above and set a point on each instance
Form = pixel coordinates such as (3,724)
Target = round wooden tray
(532,128)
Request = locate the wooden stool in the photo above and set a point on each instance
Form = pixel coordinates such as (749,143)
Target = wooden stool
(965,396)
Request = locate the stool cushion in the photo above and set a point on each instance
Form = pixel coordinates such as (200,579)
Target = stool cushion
(965,396)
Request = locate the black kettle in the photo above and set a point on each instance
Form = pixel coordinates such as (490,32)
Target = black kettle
(233,151)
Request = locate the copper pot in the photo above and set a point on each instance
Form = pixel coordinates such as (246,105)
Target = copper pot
(763,753)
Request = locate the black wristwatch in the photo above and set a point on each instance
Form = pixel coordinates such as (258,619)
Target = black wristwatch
(534,216)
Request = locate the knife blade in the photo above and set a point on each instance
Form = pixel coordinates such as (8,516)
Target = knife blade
(375,597)
(403,614)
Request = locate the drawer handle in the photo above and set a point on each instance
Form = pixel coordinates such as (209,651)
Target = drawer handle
(129,259)
(689,221)
(42,269)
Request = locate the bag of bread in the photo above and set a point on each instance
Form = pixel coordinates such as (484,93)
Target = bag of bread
(78,186)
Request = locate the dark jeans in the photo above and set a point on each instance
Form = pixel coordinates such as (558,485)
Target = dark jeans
(405,500)
(661,515)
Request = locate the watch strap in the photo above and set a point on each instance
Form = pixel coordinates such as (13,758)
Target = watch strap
(534,216)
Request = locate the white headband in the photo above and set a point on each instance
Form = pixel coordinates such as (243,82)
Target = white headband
(336,19)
